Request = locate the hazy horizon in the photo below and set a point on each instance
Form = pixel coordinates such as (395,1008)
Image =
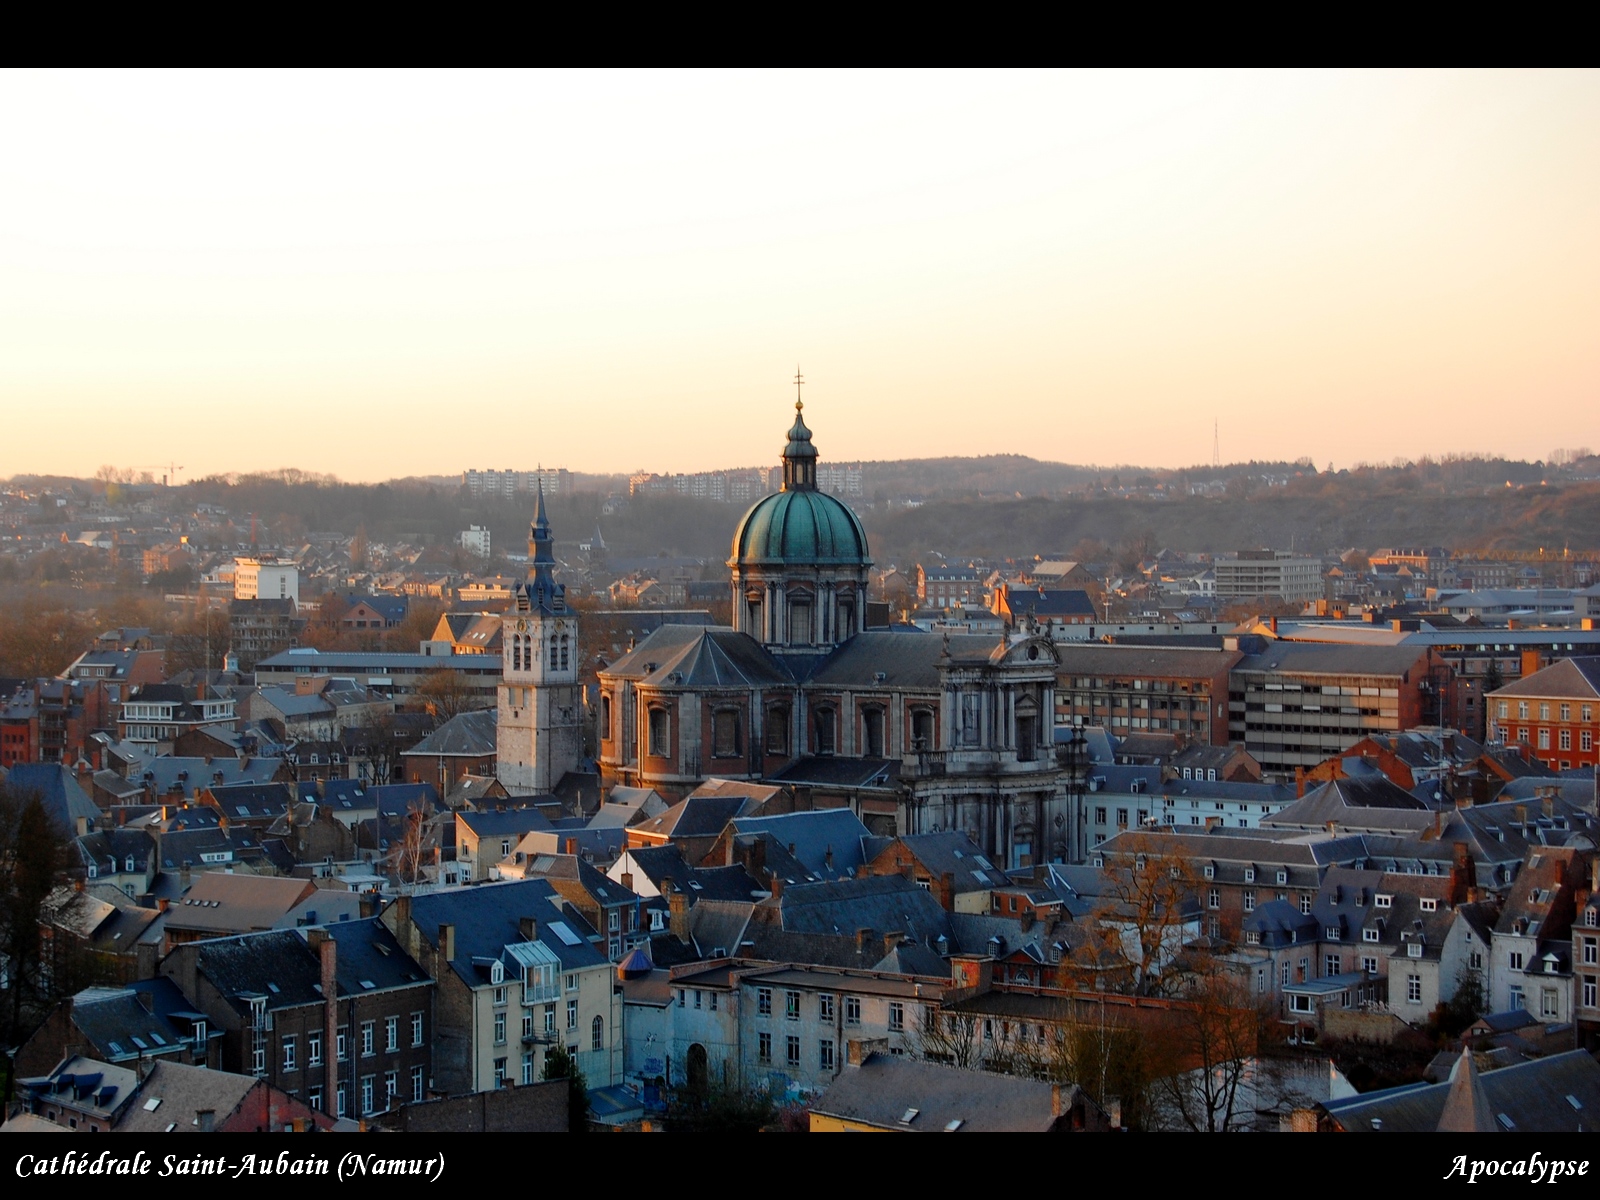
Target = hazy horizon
(381,275)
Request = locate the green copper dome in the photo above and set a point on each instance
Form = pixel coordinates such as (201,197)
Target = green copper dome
(800,527)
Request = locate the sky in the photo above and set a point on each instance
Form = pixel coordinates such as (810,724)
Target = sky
(377,275)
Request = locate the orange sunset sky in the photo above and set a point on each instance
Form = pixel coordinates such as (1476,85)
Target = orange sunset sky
(378,275)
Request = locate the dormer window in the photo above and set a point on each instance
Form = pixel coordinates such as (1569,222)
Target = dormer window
(1211,873)
(1283,877)
(1369,934)
(1414,950)
(497,973)
(1252,938)
(1382,901)
(1430,906)
(1249,874)
(1333,933)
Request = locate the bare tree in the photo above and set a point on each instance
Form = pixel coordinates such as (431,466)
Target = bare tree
(1212,1042)
(1139,927)
(409,854)
(446,694)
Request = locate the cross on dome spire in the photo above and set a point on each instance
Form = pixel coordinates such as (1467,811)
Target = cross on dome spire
(798,381)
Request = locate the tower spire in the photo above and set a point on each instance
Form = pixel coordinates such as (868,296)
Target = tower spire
(799,456)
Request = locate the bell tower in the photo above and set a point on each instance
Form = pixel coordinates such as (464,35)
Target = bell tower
(539,733)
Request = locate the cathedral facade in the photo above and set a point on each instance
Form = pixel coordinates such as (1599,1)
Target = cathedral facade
(914,731)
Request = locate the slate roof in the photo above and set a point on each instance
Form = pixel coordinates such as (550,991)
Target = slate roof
(827,842)
(1532,1097)
(471,734)
(111,1018)
(701,657)
(282,966)
(1368,804)
(882,903)
(486,919)
(162,773)
(513,822)
(223,903)
(700,816)
(58,791)
(186,846)
(1128,661)
(258,801)
(834,771)
(1571,678)
(1332,658)
(1349,902)
(952,851)
(180,1094)
(885,1089)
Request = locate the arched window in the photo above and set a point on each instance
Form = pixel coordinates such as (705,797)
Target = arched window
(597,1034)
(922,729)
(660,733)
(725,733)
(566,646)
(777,731)
(872,732)
(823,724)
(605,716)
(555,651)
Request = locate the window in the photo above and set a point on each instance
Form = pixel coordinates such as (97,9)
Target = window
(1544,712)
(792,1050)
(1515,960)
(852,1010)
(1429,905)
(1249,874)
(597,1034)
(314,1048)
(1589,990)
(764,1001)
(823,724)
(1565,740)
(499,1072)
(391,1088)
(341,1100)
(499,1029)
(527,1067)
(1214,898)
(527,1023)
(1300,1004)
(1591,951)
(1586,740)
(368,1038)
(342,1043)
(572,1014)
(872,732)
(501,996)
(288,1054)
(825,1054)
(764,1047)
(825,1007)
(1549,1002)
(1283,877)
(1249,901)
(777,731)
(725,734)
(1330,964)
(791,1006)
(1382,901)
(660,733)
(1413,989)
(1369,965)
(1369,934)
(1518,1000)
(897,1016)
(416,1029)
(550,1018)
(1099,816)
(1544,739)
(367,1082)
(416,1085)
(391,1034)
(1305,904)
(1283,973)
(314,1098)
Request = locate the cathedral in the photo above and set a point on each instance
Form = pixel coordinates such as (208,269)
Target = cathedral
(915,732)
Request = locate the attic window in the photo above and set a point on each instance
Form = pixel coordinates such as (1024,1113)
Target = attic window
(910,1116)
(1430,906)
(1249,874)
(1382,901)
(1210,872)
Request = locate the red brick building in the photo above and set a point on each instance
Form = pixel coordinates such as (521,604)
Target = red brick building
(1554,712)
